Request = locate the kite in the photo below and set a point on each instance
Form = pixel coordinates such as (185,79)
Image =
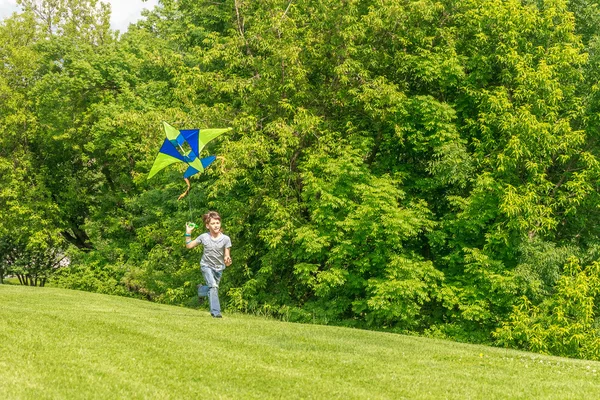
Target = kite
(185,146)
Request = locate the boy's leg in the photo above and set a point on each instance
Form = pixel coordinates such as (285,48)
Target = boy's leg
(203,290)
(213,294)
(212,279)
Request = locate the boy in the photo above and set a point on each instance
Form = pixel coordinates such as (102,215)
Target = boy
(215,257)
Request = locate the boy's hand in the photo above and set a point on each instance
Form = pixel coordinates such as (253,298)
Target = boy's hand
(227,261)
(189,227)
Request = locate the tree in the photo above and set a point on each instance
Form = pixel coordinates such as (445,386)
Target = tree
(88,20)
(565,323)
(32,264)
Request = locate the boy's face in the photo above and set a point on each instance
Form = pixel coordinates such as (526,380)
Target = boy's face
(214,225)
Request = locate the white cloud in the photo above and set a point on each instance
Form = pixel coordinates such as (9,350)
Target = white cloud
(7,7)
(127,12)
(124,12)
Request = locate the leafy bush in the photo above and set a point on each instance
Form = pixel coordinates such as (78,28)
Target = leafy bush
(565,323)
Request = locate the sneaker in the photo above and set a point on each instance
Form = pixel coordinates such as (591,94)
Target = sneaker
(217,315)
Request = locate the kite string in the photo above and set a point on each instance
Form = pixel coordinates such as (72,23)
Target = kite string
(190,204)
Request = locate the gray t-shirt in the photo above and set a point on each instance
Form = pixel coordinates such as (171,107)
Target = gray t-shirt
(214,250)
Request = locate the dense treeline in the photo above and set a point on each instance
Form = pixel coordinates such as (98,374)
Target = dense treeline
(416,166)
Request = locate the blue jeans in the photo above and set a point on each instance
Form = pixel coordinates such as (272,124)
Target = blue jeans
(211,289)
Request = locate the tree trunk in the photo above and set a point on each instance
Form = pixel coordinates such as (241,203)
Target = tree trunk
(79,238)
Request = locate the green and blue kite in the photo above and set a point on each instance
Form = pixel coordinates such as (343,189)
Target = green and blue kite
(185,146)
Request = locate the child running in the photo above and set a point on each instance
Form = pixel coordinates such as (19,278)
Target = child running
(215,257)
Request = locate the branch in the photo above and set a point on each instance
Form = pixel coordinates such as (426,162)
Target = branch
(240,24)
(563,177)
(286,10)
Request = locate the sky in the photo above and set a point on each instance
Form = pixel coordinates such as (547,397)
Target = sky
(124,12)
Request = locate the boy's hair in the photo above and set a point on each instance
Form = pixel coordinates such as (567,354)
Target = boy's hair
(210,215)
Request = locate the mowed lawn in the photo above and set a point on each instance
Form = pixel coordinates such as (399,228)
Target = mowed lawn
(62,344)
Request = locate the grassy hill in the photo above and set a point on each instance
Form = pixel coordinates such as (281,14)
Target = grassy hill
(61,344)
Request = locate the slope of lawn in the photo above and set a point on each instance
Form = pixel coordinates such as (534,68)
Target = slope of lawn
(62,344)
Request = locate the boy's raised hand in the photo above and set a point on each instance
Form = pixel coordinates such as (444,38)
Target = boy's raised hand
(189,227)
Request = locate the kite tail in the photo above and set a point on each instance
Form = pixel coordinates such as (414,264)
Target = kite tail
(182,195)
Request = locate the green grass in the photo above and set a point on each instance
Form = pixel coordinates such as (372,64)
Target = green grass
(62,344)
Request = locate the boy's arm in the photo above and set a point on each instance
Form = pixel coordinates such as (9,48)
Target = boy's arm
(227,257)
(190,244)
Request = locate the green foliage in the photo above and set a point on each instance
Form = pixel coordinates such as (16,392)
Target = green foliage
(90,272)
(541,266)
(564,323)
